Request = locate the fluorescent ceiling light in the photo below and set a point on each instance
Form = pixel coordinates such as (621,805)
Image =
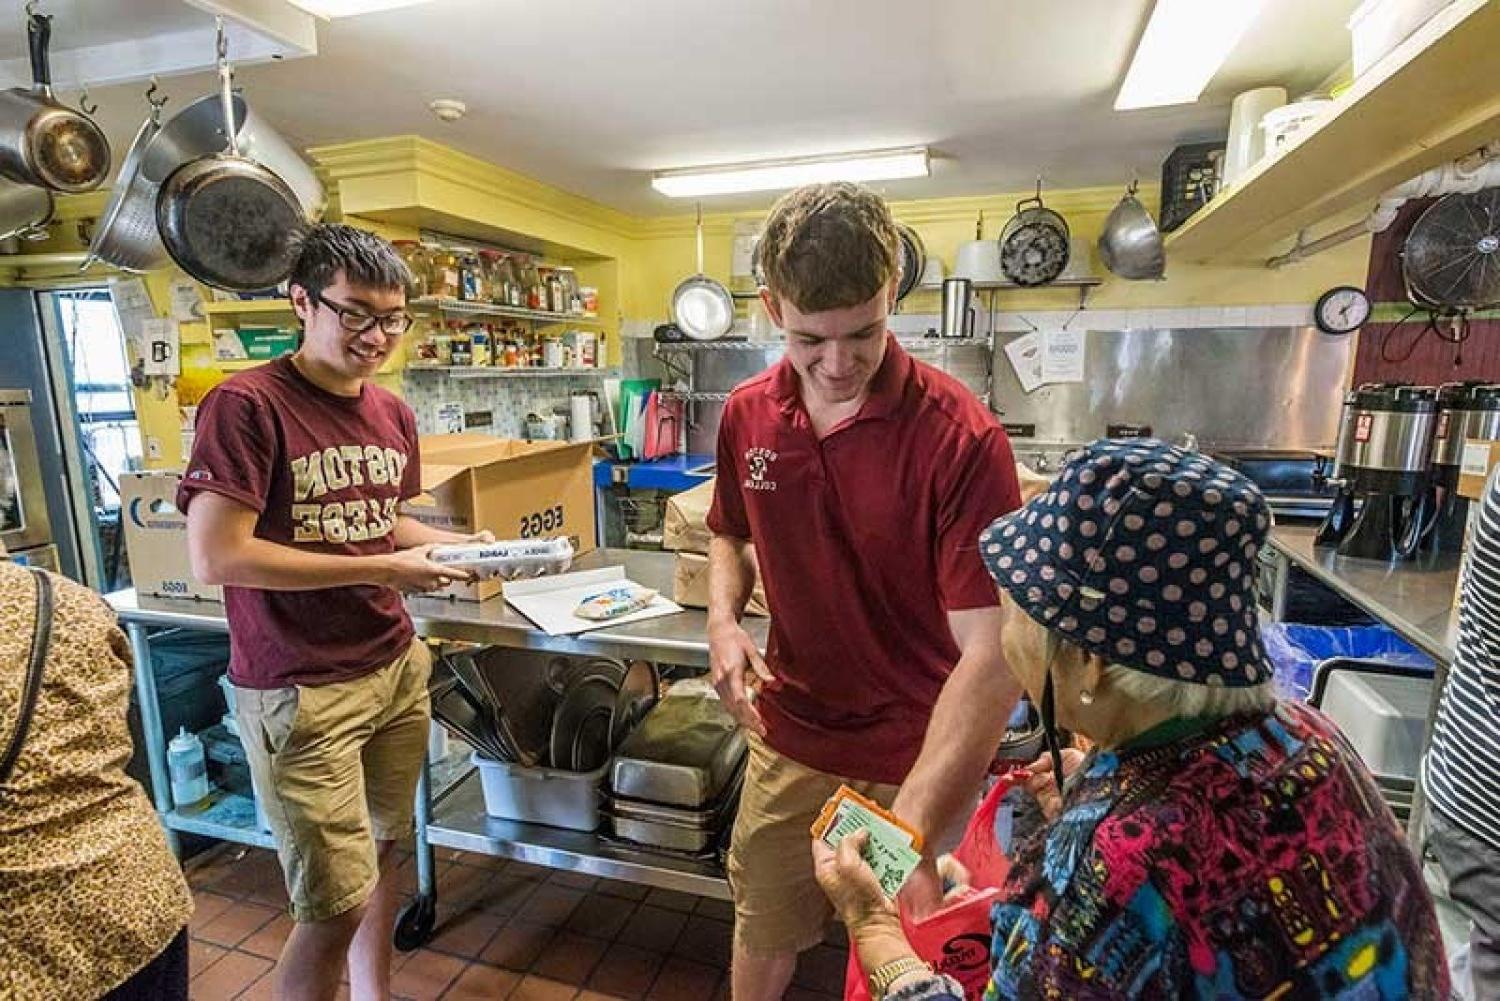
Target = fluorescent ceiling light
(774,175)
(349,8)
(1185,43)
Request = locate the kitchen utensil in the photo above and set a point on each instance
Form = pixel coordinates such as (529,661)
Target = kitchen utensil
(1451,258)
(677,830)
(913,260)
(126,235)
(1034,243)
(588,695)
(1247,140)
(1130,245)
(226,220)
(702,308)
(42,142)
(684,753)
(454,708)
(473,680)
(979,259)
(25,210)
(958,316)
(635,698)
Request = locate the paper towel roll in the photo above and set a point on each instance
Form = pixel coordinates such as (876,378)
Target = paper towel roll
(1247,143)
(580,418)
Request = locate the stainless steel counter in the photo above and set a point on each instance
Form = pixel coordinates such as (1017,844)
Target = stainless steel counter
(1414,598)
(672,639)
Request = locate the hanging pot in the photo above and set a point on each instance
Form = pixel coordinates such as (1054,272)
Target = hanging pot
(126,235)
(1130,245)
(25,210)
(226,220)
(702,308)
(913,260)
(1034,244)
(41,141)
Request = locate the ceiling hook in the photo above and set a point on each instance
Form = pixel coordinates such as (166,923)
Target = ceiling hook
(223,39)
(151,94)
(84,104)
(31,8)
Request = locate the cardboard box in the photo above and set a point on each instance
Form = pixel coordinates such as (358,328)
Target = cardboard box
(516,489)
(685,523)
(156,538)
(690,585)
(1480,459)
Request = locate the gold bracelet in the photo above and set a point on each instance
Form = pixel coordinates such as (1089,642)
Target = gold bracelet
(889,973)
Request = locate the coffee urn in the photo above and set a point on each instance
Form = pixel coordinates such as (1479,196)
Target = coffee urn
(1466,411)
(1340,517)
(1384,466)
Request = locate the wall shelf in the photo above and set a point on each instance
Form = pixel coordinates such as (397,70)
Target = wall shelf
(235,306)
(1089,282)
(462,307)
(481,372)
(1432,99)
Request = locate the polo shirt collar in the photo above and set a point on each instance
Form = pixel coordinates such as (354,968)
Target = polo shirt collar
(887,389)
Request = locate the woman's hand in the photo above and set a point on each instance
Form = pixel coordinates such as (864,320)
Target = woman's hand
(1041,785)
(850,883)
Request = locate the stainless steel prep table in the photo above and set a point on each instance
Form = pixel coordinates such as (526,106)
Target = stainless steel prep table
(450,810)
(1414,598)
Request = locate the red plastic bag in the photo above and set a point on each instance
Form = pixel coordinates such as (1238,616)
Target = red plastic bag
(956,939)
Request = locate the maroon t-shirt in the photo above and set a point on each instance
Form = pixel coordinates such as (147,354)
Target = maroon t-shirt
(866,539)
(326,474)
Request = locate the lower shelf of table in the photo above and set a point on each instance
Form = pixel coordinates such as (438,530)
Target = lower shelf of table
(228,817)
(459,821)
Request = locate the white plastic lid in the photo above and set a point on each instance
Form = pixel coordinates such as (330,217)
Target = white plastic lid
(184,741)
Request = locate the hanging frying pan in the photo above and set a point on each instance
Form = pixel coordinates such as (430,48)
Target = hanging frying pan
(226,220)
(1034,245)
(701,307)
(41,141)
(913,260)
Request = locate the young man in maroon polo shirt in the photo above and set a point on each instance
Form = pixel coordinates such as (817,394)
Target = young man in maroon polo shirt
(864,479)
(292,494)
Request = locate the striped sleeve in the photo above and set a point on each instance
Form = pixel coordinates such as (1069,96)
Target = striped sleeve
(1463,769)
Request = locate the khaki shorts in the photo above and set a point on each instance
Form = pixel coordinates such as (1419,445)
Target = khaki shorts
(778,905)
(335,768)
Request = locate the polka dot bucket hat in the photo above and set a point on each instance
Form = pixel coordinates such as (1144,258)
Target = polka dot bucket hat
(1142,553)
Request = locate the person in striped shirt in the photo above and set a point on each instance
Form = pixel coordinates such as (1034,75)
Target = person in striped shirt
(1462,774)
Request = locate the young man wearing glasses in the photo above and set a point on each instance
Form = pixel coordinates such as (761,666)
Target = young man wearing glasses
(292,498)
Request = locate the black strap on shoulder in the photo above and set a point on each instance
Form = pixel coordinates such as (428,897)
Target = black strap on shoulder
(41,639)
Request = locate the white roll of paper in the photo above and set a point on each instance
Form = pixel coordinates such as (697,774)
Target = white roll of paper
(580,418)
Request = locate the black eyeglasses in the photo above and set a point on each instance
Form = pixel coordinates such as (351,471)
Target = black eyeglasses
(357,322)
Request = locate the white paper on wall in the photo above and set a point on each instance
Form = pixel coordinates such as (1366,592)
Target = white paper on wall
(1063,354)
(1025,356)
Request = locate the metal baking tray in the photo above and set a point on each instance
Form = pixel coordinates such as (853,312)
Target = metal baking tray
(684,754)
(710,817)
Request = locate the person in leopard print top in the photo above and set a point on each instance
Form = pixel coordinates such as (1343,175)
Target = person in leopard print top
(92,902)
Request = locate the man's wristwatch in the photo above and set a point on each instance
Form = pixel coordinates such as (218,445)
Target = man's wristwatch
(888,973)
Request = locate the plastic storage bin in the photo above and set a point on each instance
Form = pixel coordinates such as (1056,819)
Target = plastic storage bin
(1383,715)
(1296,651)
(1378,26)
(547,796)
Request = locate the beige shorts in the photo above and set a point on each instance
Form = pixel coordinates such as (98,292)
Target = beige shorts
(778,905)
(335,768)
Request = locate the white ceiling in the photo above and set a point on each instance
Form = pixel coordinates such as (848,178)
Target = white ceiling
(593,95)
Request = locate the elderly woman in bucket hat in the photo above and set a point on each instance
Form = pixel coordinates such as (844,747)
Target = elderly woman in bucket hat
(1218,842)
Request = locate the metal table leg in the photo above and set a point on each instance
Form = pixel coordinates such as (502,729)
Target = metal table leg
(414,927)
(151,729)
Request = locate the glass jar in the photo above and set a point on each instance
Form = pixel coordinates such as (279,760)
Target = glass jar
(494,282)
(418,262)
(471,278)
(572,300)
(479,344)
(515,294)
(447,265)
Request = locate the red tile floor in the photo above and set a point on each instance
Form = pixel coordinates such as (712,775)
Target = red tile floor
(506,930)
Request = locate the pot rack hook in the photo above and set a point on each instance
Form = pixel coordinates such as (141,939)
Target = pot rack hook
(221,44)
(157,103)
(84,104)
(31,8)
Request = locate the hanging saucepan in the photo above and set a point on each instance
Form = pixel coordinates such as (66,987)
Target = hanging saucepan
(1034,244)
(913,260)
(25,210)
(1130,245)
(126,235)
(226,220)
(701,307)
(41,141)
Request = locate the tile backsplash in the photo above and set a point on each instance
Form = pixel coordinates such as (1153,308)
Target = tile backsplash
(495,405)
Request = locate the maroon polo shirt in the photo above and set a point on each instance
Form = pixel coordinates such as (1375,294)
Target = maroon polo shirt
(866,539)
